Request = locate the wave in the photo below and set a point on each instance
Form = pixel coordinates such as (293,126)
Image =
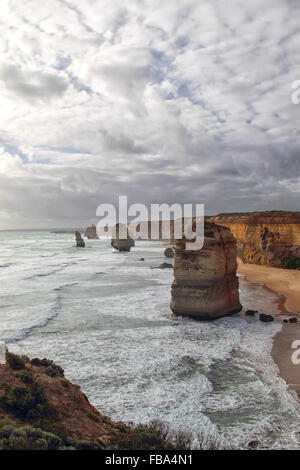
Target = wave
(54,271)
(54,312)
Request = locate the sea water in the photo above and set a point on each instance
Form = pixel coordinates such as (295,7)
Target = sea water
(104,316)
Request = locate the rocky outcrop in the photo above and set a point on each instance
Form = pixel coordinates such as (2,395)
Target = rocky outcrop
(206,285)
(169,253)
(266,318)
(79,240)
(268,238)
(122,241)
(164,266)
(91,232)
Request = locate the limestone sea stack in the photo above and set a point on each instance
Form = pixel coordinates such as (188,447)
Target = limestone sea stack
(91,232)
(122,241)
(79,240)
(206,285)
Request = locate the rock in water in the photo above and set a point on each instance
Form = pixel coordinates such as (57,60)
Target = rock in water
(164,266)
(169,253)
(266,318)
(91,232)
(123,241)
(206,285)
(79,240)
(251,312)
(293,320)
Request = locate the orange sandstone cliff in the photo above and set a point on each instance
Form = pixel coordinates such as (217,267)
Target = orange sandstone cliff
(269,238)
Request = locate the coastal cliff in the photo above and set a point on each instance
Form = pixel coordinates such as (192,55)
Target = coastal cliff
(41,410)
(206,285)
(267,238)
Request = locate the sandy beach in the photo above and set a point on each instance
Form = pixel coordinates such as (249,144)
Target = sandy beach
(286,283)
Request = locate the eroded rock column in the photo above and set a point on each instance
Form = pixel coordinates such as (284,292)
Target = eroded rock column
(206,285)
(122,241)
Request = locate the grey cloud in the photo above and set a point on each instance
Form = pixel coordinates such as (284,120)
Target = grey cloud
(32,85)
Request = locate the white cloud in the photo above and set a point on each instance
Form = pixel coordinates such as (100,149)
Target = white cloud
(182,101)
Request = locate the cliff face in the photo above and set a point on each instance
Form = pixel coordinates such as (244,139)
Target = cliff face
(206,285)
(269,238)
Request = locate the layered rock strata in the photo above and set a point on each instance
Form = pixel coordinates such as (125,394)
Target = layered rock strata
(206,285)
(267,238)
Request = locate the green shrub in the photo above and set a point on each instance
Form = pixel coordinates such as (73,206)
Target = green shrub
(14,361)
(292,263)
(143,437)
(26,402)
(51,372)
(25,376)
(28,438)
(48,363)
(14,437)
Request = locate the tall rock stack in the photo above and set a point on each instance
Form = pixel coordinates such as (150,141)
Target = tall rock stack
(206,285)
(120,243)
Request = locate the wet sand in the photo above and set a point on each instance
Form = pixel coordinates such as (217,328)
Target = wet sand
(285,283)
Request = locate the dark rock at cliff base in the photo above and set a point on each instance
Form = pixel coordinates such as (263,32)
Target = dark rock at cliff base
(79,241)
(164,266)
(251,312)
(169,253)
(253,444)
(266,318)
(293,320)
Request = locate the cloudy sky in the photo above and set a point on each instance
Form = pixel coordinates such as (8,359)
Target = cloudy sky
(183,101)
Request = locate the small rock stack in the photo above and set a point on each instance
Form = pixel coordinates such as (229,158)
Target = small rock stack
(206,285)
(79,240)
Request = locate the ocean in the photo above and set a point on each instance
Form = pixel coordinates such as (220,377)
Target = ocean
(104,316)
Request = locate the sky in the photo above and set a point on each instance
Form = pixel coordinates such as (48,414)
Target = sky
(185,101)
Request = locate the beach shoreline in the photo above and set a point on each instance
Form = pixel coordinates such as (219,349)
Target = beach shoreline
(286,284)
